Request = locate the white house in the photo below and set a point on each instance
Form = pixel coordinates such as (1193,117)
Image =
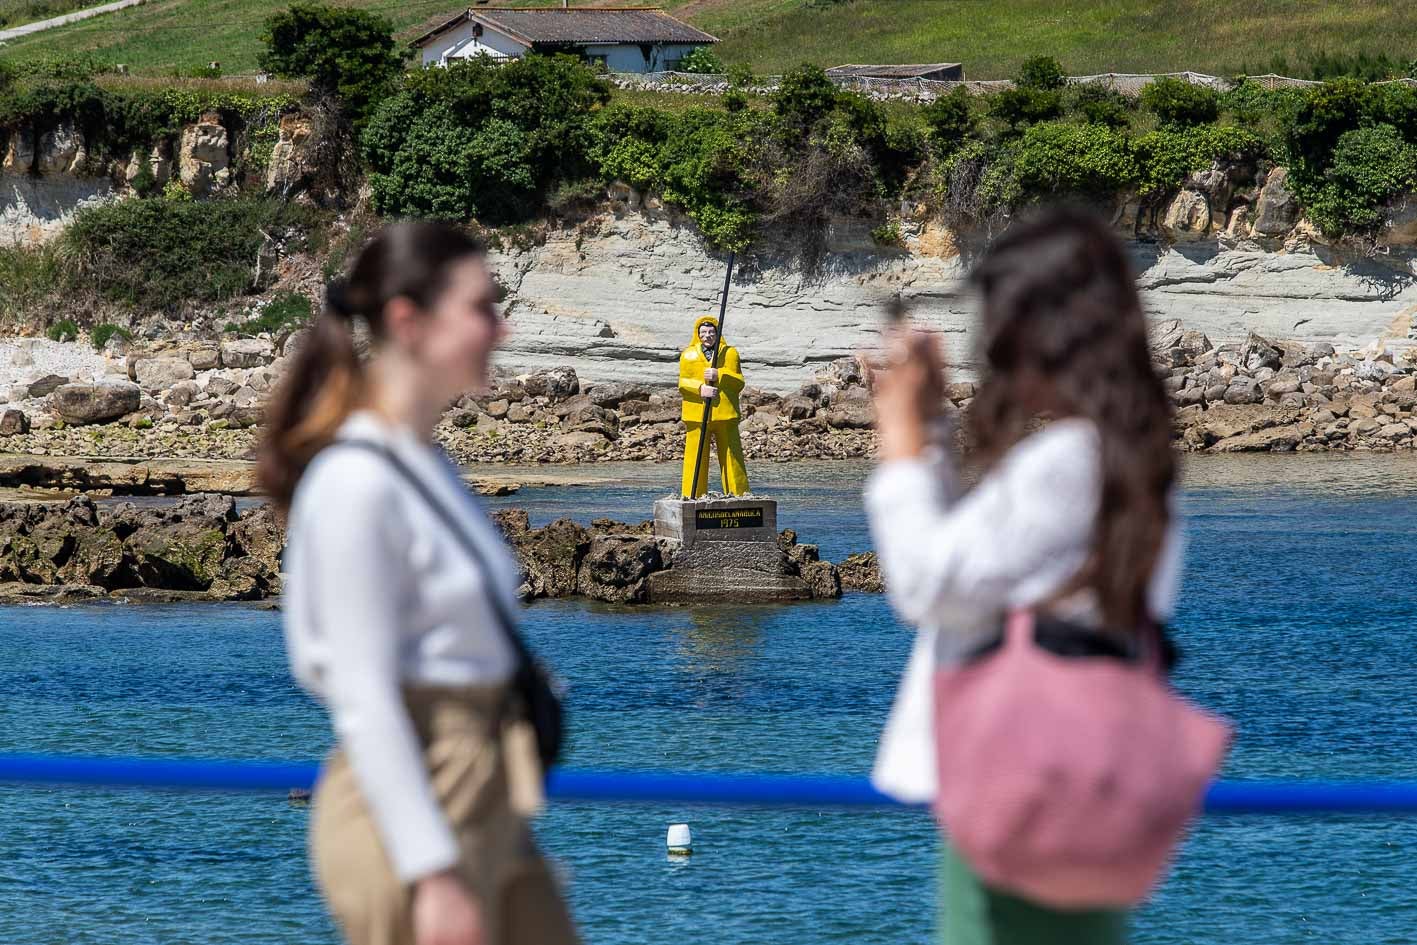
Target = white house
(634,39)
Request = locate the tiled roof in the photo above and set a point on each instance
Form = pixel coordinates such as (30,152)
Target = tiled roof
(589,25)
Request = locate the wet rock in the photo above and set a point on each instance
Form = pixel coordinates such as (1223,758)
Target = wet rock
(551,556)
(95,403)
(823,579)
(616,568)
(862,572)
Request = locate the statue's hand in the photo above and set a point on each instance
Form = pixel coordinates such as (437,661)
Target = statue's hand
(710,375)
(708,392)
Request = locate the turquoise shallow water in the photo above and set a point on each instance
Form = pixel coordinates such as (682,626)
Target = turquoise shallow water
(1297,608)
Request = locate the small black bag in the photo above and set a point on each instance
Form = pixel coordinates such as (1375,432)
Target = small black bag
(531,684)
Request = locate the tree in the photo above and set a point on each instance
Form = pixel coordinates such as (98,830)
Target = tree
(349,55)
(1180,104)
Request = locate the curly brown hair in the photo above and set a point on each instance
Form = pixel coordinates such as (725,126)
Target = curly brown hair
(1065,336)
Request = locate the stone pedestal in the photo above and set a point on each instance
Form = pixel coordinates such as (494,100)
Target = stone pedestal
(723,550)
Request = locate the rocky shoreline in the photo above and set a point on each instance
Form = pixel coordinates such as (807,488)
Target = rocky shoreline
(205,548)
(193,400)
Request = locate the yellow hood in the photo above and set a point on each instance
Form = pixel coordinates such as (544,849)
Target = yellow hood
(705,320)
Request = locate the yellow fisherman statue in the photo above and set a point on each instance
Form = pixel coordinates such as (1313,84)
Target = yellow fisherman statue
(699,384)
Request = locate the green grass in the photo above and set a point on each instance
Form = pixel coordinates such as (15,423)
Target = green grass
(991,37)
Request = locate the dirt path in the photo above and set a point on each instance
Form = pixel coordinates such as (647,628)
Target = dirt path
(28,28)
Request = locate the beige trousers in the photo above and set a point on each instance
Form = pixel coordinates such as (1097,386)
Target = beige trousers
(474,779)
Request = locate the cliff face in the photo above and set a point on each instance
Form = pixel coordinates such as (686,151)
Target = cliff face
(618,301)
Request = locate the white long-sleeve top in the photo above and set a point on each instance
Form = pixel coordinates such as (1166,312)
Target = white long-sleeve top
(380,594)
(953,562)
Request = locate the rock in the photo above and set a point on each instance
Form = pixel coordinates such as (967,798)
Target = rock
(162,373)
(1257,353)
(613,395)
(1244,390)
(861,572)
(1399,224)
(497,409)
(844,372)
(95,403)
(14,422)
(1404,384)
(246,352)
(204,357)
(158,161)
(61,151)
(616,568)
(203,159)
(589,418)
(20,152)
(851,415)
(1187,217)
(117,347)
(291,162)
(799,407)
(1394,431)
(556,384)
(823,579)
(1281,386)
(1281,439)
(760,423)
(519,413)
(182,393)
(1276,210)
(1194,343)
(46,385)
(551,556)
(959,391)
(1365,426)
(1222,421)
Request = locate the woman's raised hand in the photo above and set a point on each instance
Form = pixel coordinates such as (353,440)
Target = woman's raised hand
(908,389)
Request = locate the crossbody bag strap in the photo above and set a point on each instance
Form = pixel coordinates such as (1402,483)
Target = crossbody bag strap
(508,624)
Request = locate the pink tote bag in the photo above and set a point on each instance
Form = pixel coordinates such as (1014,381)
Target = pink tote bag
(1068,781)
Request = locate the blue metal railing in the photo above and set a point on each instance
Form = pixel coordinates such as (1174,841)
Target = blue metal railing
(739,790)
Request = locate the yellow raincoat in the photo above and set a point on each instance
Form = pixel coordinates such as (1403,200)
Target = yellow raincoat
(723,423)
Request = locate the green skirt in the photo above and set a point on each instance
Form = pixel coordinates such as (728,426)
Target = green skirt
(973,914)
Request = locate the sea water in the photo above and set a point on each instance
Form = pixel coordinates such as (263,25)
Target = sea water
(1295,621)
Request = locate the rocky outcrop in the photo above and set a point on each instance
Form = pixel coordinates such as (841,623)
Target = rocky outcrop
(203,548)
(204,156)
(291,161)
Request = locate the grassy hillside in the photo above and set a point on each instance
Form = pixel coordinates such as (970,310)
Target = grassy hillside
(991,37)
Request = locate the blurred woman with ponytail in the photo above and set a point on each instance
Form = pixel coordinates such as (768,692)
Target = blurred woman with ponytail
(398,593)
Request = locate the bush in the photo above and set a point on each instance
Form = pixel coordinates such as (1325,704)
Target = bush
(805,96)
(1360,65)
(100,334)
(1326,114)
(1180,104)
(1166,157)
(481,140)
(28,276)
(1096,104)
(163,253)
(703,61)
(348,54)
(1020,107)
(1041,73)
(287,310)
(1073,160)
(950,119)
(1370,166)
(63,330)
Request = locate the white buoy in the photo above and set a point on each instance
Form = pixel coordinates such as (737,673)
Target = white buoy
(679,841)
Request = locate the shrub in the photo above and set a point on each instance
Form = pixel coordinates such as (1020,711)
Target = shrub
(163,253)
(100,334)
(888,234)
(1042,73)
(1082,160)
(950,119)
(483,140)
(702,60)
(287,310)
(1020,107)
(348,54)
(28,276)
(805,96)
(1325,115)
(1360,65)
(1180,104)
(1096,104)
(63,330)
(1370,166)
(1165,157)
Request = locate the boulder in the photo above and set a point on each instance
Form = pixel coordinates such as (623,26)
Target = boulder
(14,422)
(581,439)
(182,393)
(20,151)
(291,162)
(550,557)
(556,384)
(95,403)
(1244,390)
(1280,439)
(861,572)
(613,395)
(1222,421)
(1187,217)
(851,415)
(246,352)
(590,419)
(204,158)
(46,385)
(1194,343)
(799,407)
(1276,210)
(204,357)
(497,409)
(1258,353)
(163,373)
(823,579)
(616,568)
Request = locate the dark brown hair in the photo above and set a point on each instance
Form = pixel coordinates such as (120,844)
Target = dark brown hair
(1065,336)
(326,380)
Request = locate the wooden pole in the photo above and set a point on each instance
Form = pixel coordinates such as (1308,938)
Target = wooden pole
(713,363)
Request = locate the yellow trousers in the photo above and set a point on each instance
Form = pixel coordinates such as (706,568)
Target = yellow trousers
(724,434)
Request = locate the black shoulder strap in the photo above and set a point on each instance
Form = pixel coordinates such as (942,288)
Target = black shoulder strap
(499,606)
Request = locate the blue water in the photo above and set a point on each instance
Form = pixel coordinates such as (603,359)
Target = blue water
(1294,621)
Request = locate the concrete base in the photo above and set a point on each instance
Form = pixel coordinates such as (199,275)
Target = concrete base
(724,585)
(690,521)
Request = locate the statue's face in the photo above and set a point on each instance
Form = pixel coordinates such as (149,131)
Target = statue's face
(707,335)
